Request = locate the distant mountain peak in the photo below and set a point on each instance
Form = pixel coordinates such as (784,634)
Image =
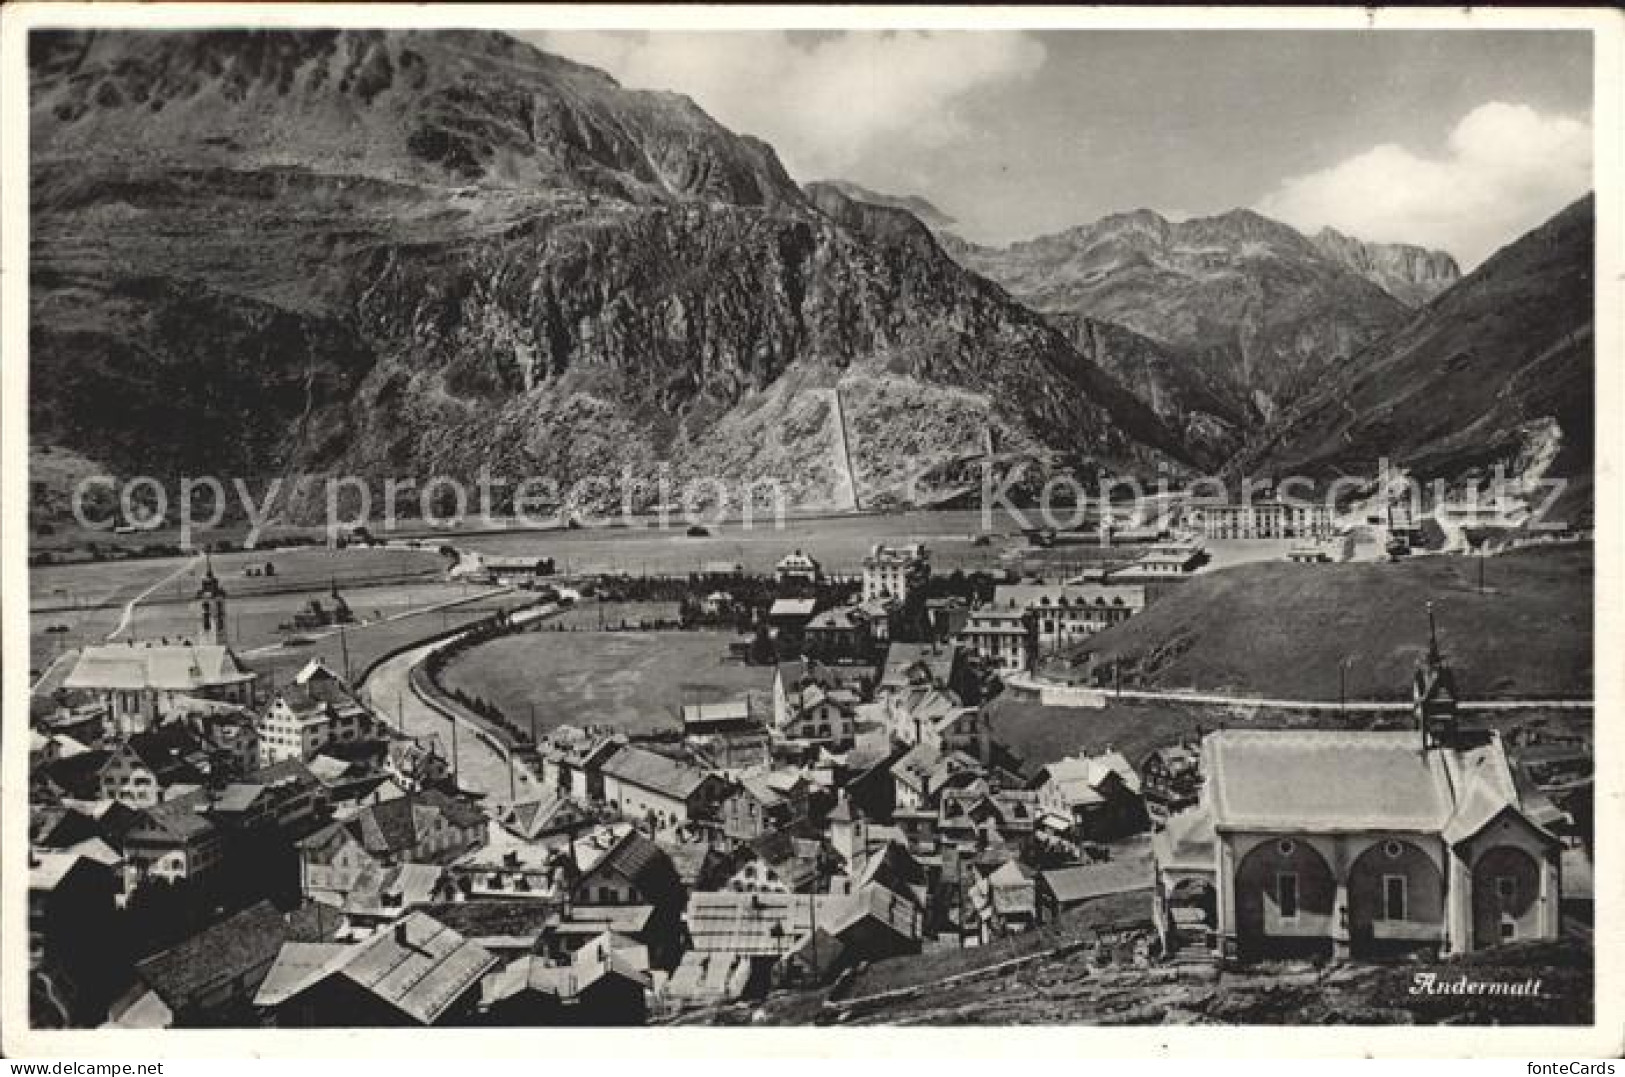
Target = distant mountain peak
(1409,273)
(928,214)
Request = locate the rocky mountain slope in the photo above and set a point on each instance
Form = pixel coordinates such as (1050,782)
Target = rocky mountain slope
(1246,306)
(419,253)
(1497,370)
(1413,275)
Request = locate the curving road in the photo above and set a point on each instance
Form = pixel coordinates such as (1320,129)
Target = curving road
(129,607)
(480,768)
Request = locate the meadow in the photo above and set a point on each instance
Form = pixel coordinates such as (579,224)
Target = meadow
(636,680)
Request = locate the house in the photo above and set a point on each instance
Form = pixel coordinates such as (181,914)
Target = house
(1005,638)
(626,868)
(756,925)
(922,664)
(1098,796)
(1162,561)
(815,715)
(227,734)
(922,773)
(876,923)
(1171,779)
(71,904)
(729,716)
(779,862)
(706,978)
(764,802)
(417,763)
(149,767)
(59,826)
(1064,612)
(143,684)
(946,617)
(539,818)
(572,761)
(791,676)
(421,828)
(175,841)
(895,571)
(210,979)
(797,573)
(1383,841)
(1060,890)
(647,786)
(787,619)
(1004,902)
(315,711)
(416,973)
(839,634)
(1003,815)
(717,604)
(605,984)
(912,713)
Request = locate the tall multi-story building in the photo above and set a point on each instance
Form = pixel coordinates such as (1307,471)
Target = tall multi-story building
(894,571)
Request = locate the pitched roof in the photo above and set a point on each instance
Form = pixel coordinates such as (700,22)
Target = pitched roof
(165,751)
(655,772)
(1084,881)
(394,826)
(218,954)
(296,966)
(704,976)
(878,904)
(1067,595)
(758,923)
(792,607)
(641,862)
(174,667)
(1080,778)
(937,659)
(419,966)
(1325,780)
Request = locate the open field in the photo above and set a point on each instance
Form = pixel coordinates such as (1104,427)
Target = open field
(1281,629)
(839,543)
(636,680)
(86,600)
(259,620)
(366,644)
(1039,734)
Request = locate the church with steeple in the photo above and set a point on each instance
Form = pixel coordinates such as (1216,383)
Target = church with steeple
(144,683)
(1361,843)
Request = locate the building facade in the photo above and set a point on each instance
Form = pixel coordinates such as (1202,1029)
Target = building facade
(894,571)
(1360,843)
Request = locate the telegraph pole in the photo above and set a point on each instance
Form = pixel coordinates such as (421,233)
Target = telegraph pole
(456,774)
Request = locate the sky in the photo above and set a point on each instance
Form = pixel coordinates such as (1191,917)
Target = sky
(1458,140)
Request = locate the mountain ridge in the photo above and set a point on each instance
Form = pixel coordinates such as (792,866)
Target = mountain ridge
(511,260)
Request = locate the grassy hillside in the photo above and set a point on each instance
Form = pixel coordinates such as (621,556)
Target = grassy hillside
(1280,630)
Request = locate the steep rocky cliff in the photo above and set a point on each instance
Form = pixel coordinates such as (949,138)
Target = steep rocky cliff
(420,253)
(1413,275)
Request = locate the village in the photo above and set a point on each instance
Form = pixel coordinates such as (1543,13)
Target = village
(209,850)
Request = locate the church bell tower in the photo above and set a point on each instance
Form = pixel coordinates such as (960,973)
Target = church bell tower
(1434,695)
(211,600)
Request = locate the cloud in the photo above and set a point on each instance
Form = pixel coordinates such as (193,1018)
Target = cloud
(1504,169)
(823,101)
